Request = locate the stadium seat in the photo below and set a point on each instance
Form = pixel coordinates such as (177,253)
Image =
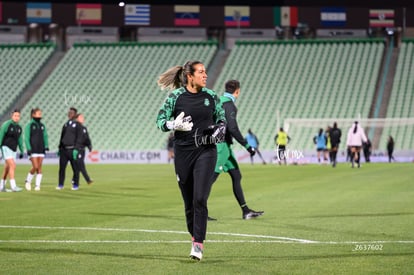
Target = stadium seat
(115,87)
(301,80)
(401,103)
(18,65)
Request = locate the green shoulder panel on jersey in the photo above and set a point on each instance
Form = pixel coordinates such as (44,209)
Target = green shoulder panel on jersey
(224,99)
(166,111)
(219,111)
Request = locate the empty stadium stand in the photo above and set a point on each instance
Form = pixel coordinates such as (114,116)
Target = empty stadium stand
(401,104)
(114,85)
(302,79)
(18,66)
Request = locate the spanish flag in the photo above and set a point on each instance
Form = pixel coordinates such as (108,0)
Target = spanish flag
(89,14)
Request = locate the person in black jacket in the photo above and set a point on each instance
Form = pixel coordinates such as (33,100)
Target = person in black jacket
(36,140)
(367,149)
(226,160)
(335,137)
(85,141)
(390,148)
(10,139)
(69,149)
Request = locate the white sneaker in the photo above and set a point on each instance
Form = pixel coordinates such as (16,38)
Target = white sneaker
(37,188)
(17,189)
(28,186)
(196,251)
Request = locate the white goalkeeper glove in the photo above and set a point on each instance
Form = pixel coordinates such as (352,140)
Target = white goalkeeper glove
(180,123)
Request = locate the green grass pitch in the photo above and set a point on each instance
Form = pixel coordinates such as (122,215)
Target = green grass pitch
(318,220)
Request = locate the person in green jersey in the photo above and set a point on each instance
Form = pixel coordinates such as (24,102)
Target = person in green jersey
(226,160)
(10,139)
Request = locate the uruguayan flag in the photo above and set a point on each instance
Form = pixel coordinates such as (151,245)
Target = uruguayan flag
(137,14)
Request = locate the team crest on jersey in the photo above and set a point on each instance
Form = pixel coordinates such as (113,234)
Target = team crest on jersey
(206,102)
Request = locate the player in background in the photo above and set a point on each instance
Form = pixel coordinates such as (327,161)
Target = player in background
(253,141)
(10,139)
(69,149)
(281,140)
(226,160)
(335,137)
(36,141)
(328,143)
(356,137)
(195,115)
(170,147)
(390,148)
(367,149)
(84,141)
(320,140)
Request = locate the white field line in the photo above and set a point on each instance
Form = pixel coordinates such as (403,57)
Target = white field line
(207,241)
(149,231)
(264,238)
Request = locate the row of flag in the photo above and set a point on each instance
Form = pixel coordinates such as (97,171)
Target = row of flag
(336,17)
(86,14)
(189,15)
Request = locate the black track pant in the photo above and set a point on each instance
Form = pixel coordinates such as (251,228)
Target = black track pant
(194,169)
(66,155)
(81,164)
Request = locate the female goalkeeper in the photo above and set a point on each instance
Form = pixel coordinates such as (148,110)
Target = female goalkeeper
(196,115)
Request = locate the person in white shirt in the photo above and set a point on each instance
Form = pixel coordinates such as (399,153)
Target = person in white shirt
(356,137)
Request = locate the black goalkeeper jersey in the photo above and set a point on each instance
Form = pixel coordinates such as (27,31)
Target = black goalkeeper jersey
(204,108)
